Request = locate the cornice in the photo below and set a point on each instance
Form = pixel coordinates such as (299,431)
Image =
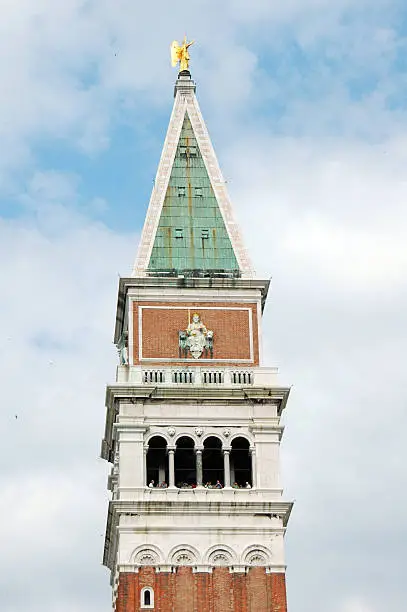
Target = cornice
(200,393)
(203,508)
(192,283)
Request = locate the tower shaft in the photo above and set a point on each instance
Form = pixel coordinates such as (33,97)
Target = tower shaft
(197,519)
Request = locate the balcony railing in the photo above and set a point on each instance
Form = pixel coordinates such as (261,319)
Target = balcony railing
(229,377)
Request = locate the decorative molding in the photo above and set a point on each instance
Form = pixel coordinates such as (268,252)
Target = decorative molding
(160,187)
(184,555)
(164,569)
(256,558)
(146,555)
(220,558)
(256,555)
(186,102)
(202,569)
(220,555)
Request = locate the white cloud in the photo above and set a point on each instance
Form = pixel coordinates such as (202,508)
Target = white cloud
(356,605)
(326,217)
(56,327)
(335,210)
(68,70)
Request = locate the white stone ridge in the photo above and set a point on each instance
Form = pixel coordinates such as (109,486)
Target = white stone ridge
(186,102)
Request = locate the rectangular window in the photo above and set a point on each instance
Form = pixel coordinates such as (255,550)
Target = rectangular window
(198,192)
(179,233)
(205,234)
(188,151)
(181,192)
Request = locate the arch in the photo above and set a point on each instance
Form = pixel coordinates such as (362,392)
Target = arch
(185,462)
(256,555)
(160,434)
(186,435)
(220,555)
(240,463)
(157,461)
(184,554)
(245,436)
(147,598)
(147,554)
(212,461)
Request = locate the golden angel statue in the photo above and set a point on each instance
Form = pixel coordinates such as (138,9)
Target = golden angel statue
(180,53)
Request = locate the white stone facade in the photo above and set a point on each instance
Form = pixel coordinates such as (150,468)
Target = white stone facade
(202,527)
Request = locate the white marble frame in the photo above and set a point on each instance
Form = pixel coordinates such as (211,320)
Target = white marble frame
(206,361)
(187,103)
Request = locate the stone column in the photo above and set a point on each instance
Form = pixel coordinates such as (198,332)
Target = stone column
(226,466)
(171,467)
(161,473)
(199,469)
(145,466)
(254,470)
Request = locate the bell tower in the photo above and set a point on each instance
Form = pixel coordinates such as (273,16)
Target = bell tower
(197,518)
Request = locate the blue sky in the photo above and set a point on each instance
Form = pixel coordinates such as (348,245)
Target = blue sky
(305,103)
(310,71)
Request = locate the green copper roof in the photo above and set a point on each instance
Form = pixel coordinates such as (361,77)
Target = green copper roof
(191,235)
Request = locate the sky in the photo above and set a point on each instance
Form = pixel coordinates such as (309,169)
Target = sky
(305,102)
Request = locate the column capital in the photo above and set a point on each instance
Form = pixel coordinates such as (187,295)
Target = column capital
(171,449)
(227,449)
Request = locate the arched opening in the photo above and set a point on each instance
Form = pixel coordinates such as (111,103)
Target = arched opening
(240,464)
(185,464)
(157,463)
(147,598)
(212,460)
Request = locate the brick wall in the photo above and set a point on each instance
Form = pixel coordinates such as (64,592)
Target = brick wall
(221,591)
(160,326)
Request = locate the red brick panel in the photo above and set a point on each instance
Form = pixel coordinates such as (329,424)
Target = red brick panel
(239,593)
(221,591)
(164,592)
(257,591)
(125,594)
(203,592)
(278,593)
(160,328)
(184,590)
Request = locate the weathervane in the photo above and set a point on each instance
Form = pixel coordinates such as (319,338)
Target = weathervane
(179,53)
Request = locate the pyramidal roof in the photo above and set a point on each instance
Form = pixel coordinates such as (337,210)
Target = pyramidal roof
(190,227)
